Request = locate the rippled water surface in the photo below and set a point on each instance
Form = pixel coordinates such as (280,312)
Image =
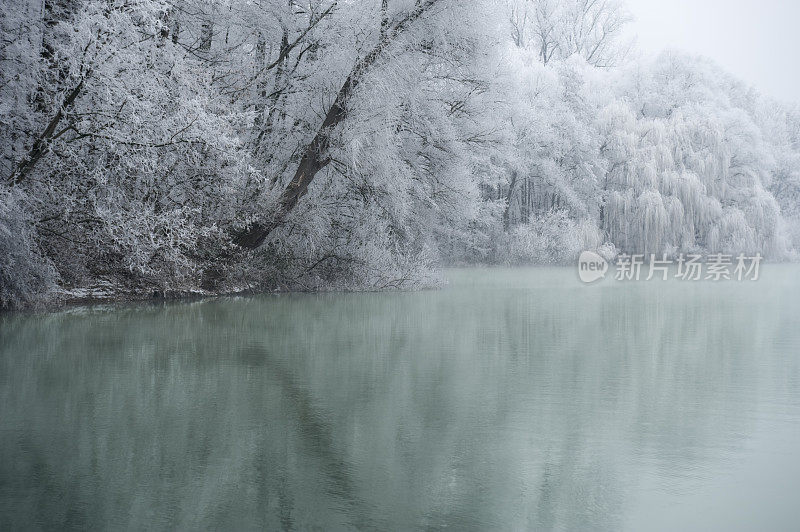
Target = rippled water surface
(511,399)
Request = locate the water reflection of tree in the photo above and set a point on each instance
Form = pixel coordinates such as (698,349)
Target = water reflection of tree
(474,408)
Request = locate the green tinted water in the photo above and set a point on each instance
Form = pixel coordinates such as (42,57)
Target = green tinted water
(511,399)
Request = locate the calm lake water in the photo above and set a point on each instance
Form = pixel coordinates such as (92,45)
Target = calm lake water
(511,399)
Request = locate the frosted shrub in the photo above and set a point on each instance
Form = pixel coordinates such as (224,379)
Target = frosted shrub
(791,238)
(554,238)
(365,252)
(26,277)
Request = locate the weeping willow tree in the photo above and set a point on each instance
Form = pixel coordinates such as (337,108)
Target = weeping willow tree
(667,156)
(690,171)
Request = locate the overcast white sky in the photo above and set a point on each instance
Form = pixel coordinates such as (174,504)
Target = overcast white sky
(757,40)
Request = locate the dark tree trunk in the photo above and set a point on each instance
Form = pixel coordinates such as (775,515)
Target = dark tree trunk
(265,120)
(315,157)
(509,197)
(206,35)
(42,143)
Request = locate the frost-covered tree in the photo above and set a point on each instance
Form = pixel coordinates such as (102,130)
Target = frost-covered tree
(559,29)
(689,163)
(160,138)
(665,156)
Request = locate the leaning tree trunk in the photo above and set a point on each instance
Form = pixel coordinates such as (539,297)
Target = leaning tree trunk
(42,142)
(315,157)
